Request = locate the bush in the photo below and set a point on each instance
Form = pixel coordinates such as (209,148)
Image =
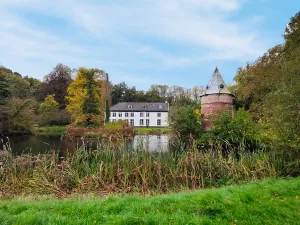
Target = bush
(185,121)
(234,131)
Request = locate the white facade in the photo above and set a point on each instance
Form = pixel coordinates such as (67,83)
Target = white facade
(142,119)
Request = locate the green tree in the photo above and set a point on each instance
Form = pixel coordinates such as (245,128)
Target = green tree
(185,121)
(48,111)
(16,109)
(107,111)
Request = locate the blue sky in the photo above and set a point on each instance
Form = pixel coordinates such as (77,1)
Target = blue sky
(141,42)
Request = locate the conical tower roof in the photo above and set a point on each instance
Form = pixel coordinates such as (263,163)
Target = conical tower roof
(216,85)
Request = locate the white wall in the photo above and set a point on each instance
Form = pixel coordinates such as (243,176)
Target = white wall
(153,117)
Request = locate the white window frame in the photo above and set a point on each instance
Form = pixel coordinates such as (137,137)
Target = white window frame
(132,114)
(126,114)
(147,122)
(141,114)
(114,114)
(120,114)
(132,122)
(147,114)
(158,122)
(141,122)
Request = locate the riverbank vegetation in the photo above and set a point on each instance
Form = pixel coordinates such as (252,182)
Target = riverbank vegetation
(111,168)
(268,202)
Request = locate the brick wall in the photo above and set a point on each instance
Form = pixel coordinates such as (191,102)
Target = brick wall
(214,104)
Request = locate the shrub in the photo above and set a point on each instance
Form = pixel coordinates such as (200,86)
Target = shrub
(185,121)
(234,131)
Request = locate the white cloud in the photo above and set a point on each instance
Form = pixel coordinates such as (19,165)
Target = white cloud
(133,29)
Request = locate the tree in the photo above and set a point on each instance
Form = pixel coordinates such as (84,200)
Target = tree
(48,111)
(16,109)
(107,111)
(185,121)
(56,83)
(84,97)
(269,88)
(21,115)
(122,93)
(34,87)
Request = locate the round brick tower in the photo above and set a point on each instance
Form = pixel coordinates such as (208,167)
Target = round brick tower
(215,99)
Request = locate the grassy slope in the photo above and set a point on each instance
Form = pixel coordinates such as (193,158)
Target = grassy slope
(267,202)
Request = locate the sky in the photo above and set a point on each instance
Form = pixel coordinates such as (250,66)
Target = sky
(141,42)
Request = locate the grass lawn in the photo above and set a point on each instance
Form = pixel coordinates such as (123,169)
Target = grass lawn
(265,202)
(50,130)
(152,130)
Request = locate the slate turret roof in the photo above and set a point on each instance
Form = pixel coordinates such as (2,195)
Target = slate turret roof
(216,85)
(140,107)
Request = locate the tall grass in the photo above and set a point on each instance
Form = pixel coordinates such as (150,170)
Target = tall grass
(110,169)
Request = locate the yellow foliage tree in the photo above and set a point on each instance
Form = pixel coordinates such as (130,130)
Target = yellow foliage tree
(84,98)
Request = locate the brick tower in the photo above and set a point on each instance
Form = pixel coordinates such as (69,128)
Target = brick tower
(215,99)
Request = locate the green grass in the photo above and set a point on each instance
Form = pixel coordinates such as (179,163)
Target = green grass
(50,130)
(266,202)
(152,130)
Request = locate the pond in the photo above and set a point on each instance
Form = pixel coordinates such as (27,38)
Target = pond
(39,144)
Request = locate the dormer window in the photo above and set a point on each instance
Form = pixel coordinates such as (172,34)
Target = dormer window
(129,106)
(160,107)
(144,106)
(221,85)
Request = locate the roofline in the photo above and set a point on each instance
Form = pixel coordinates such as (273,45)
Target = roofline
(115,110)
(218,94)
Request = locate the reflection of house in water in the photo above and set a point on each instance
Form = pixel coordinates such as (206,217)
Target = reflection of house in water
(151,143)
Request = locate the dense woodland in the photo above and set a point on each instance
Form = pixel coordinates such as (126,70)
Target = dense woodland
(267,90)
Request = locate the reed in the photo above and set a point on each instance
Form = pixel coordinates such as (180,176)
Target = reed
(110,168)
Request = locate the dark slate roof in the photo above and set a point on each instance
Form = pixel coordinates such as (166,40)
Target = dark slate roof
(216,85)
(140,107)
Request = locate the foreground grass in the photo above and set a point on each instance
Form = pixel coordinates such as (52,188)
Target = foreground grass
(267,202)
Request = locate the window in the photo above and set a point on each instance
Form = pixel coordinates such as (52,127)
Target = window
(132,114)
(114,114)
(158,122)
(158,114)
(132,122)
(141,114)
(126,121)
(114,120)
(160,107)
(126,114)
(147,122)
(144,106)
(120,114)
(141,122)
(147,114)
(129,106)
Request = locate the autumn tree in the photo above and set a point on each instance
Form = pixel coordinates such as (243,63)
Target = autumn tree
(56,83)
(269,88)
(84,97)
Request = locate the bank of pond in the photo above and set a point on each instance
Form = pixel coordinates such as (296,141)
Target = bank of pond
(144,164)
(65,144)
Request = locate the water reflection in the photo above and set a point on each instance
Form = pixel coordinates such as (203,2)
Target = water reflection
(40,144)
(151,143)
